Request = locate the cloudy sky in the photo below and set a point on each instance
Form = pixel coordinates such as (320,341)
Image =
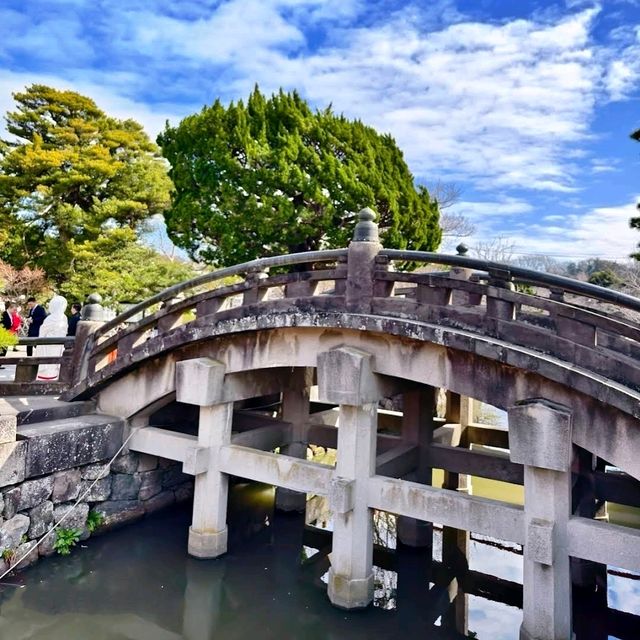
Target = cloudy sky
(526,105)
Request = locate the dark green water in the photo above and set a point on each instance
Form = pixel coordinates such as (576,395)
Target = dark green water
(138,583)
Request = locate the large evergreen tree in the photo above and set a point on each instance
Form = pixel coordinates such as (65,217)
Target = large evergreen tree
(272,177)
(70,172)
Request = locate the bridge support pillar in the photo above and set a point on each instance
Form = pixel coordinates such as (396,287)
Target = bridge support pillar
(295,409)
(418,410)
(455,542)
(540,439)
(345,377)
(200,382)
(208,531)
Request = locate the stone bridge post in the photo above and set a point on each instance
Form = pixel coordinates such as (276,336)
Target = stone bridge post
(418,411)
(200,382)
(540,439)
(345,378)
(91,320)
(361,263)
(295,410)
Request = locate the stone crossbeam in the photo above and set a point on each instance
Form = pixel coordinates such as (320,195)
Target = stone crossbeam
(275,469)
(449,508)
(603,542)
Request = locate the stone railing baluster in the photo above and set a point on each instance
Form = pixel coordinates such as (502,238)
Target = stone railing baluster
(361,263)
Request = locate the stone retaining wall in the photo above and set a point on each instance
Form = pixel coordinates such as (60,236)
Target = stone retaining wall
(128,489)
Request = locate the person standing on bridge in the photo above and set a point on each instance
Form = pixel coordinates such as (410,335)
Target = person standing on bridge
(74,318)
(6,324)
(54,326)
(36,317)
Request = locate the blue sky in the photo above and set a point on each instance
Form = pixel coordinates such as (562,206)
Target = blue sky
(526,105)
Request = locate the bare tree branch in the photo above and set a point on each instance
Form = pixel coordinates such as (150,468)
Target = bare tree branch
(456,225)
(446,193)
(498,249)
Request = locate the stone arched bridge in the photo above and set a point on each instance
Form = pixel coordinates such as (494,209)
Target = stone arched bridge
(560,356)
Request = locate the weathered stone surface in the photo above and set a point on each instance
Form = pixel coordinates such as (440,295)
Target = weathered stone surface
(540,434)
(95,471)
(345,376)
(27,553)
(119,512)
(8,426)
(12,462)
(173,477)
(45,549)
(66,485)
(11,499)
(184,491)
(27,495)
(101,490)
(127,463)
(165,463)
(151,484)
(147,462)
(160,501)
(70,443)
(30,409)
(12,531)
(199,381)
(125,486)
(76,518)
(41,519)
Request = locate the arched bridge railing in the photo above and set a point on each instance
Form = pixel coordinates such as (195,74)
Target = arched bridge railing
(584,325)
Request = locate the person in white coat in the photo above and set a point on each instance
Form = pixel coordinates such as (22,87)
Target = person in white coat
(54,326)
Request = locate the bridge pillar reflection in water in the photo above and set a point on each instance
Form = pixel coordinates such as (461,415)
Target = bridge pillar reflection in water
(200,382)
(540,438)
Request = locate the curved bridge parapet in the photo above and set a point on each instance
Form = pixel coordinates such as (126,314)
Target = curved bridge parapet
(584,327)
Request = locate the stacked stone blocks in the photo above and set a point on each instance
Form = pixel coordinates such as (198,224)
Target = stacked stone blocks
(31,502)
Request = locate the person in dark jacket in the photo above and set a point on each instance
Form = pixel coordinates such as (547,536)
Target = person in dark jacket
(36,317)
(74,318)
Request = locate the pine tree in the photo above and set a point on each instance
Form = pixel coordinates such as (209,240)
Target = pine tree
(69,173)
(272,177)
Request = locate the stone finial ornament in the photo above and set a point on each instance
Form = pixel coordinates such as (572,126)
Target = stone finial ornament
(462,249)
(93,309)
(366,230)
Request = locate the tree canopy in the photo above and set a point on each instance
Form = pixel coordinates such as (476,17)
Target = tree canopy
(121,270)
(272,177)
(70,172)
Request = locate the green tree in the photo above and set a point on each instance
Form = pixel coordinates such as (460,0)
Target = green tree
(275,177)
(120,269)
(69,173)
(605,278)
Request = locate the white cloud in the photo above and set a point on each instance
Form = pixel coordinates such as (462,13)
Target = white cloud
(235,30)
(602,232)
(623,72)
(500,105)
(476,211)
(105,94)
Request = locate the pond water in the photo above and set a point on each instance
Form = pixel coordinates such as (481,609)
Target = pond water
(138,583)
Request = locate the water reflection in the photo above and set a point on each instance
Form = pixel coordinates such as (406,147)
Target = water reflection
(139,584)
